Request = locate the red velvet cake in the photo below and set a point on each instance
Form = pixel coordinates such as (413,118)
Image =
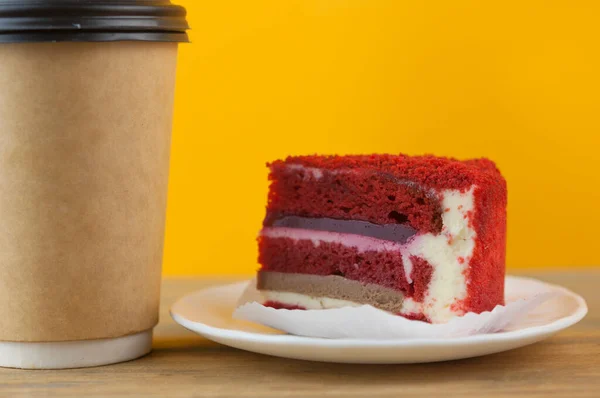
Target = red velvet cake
(422,237)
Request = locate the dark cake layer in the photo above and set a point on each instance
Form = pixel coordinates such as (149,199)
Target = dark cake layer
(335,287)
(391,232)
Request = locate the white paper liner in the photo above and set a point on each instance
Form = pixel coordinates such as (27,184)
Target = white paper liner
(367,322)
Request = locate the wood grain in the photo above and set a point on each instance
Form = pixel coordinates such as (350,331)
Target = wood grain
(186,365)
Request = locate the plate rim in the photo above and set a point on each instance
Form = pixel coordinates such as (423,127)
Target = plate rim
(302,341)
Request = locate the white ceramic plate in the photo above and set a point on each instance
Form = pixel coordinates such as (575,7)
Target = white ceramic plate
(208,313)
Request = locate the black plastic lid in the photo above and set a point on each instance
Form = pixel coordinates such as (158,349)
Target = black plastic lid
(91,20)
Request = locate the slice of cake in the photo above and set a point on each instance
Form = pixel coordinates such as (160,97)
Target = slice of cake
(422,237)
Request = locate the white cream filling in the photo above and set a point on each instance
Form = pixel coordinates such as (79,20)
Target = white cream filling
(316,173)
(449,254)
(305,301)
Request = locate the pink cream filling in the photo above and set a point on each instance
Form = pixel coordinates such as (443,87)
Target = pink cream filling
(361,243)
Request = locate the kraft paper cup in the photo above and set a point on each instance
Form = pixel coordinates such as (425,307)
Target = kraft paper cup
(85,126)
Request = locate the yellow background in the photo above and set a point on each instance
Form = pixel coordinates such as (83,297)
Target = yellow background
(515,81)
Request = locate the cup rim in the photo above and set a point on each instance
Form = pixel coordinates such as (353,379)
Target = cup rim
(76,20)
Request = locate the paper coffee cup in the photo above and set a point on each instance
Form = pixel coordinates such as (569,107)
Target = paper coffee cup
(85,125)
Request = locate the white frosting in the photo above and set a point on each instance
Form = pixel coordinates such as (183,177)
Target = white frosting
(444,252)
(408,265)
(410,306)
(308,302)
(309,171)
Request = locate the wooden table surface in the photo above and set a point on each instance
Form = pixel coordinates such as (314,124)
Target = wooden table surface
(186,365)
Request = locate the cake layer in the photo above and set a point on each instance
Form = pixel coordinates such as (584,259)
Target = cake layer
(429,172)
(330,287)
(362,195)
(399,233)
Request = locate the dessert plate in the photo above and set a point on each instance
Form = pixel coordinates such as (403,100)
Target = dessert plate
(208,312)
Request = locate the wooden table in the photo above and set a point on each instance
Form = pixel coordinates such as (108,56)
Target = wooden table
(186,365)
